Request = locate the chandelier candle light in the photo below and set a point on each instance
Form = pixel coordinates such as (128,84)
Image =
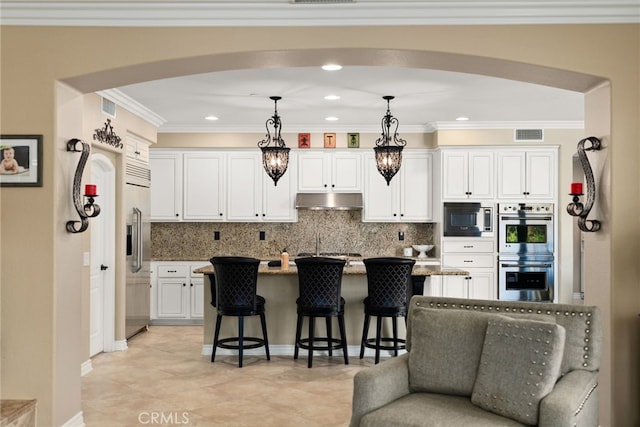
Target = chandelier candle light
(389,157)
(275,158)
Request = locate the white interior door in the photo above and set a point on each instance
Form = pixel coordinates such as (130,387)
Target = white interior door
(102,277)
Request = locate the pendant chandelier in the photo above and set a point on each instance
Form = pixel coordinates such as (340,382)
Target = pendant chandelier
(275,158)
(389,157)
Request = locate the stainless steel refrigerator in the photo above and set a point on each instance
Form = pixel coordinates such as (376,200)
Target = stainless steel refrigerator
(138,274)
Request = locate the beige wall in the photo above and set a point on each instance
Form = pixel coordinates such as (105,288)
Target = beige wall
(38,334)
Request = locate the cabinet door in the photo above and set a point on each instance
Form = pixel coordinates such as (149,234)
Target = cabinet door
(416,187)
(381,201)
(245,184)
(455,175)
(481,173)
(346,172)
(197,298)
(511,174)
(137,149)
(278,202)
(313,171)
(540,174)
(433,286)
(166,187)
(204,192)
(482,285)
(172,298)
(455,286)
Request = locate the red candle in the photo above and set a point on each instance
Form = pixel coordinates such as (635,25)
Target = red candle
(576,188)
(90,190)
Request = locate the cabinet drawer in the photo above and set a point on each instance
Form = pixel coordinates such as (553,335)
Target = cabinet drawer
(173,271)
(465,261)
(468,246)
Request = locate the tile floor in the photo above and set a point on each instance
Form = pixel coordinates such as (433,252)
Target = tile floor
(162,379)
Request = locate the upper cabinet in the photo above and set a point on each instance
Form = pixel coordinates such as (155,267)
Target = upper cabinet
(337,171)
(527,174)
(204,186)
(219,185)
(137,149)
(468,174)
(252,196)
(166,186)
(408,197)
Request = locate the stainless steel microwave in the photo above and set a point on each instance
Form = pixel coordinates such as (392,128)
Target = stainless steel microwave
(468,219)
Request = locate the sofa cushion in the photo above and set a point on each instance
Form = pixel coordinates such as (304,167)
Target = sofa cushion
(519,366)
(446,346)
(433,410)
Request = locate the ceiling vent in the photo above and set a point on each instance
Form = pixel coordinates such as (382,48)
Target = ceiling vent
(109,107)
(321,1)
(529,135)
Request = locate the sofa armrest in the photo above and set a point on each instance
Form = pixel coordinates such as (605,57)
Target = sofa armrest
(381,384)
(573,401)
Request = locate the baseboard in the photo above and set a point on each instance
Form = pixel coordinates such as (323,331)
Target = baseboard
(86,367)
(120,345)
(76,421)
(288,350)
(176,322)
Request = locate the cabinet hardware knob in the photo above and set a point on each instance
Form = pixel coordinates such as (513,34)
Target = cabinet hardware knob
(177,214)
(257,215)
(192,285)
(401,214)
(103,267)
(333,185)
(184,284)
(264,214)
(395,214)
(325,186)
(220,213)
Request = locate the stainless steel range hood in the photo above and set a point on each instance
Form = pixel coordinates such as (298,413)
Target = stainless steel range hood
(326,201)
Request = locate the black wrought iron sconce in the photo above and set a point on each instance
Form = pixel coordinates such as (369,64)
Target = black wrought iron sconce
(576,208)
(86,208)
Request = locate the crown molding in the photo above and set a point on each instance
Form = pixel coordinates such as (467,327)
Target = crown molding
(133,106)
(471,125)
(259,128)
(284,13)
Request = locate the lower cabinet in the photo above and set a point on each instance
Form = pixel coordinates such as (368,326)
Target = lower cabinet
(177,294)
(475,285)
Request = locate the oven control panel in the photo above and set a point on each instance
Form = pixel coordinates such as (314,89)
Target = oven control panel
(525,208)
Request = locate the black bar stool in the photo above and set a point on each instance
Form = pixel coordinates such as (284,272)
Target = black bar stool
(319,284)
(390,288)
(236,282)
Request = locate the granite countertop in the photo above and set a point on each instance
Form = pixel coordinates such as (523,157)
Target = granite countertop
(348,270)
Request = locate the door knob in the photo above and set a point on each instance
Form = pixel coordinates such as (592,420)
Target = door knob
(103,267)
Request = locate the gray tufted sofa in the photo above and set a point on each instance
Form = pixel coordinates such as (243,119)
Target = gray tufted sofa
(486,363)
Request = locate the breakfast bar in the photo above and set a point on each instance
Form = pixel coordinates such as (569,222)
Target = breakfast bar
(279,286)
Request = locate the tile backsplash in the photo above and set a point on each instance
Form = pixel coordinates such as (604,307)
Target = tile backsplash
(339,231)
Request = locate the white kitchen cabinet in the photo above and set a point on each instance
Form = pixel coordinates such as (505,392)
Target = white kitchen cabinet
(187,186)
(137,150)
(528,174)
(337,171)
(468,174)
(478,257)
(252,196)
(407,198)
(177,293)
(166,186)
(204,186)
(477,285)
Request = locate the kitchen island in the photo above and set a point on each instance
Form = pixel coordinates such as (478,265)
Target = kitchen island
(279,287)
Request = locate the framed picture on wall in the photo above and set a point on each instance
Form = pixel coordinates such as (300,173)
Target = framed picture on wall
(329,140)
(304,140)
(353,140)
(21,160)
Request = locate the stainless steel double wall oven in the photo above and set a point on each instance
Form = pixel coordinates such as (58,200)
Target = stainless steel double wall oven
(526,247)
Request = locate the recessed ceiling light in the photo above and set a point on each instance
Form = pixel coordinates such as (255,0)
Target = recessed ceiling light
(332,67)
(211,118)
(331,119)
(332,97)
(462,118)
